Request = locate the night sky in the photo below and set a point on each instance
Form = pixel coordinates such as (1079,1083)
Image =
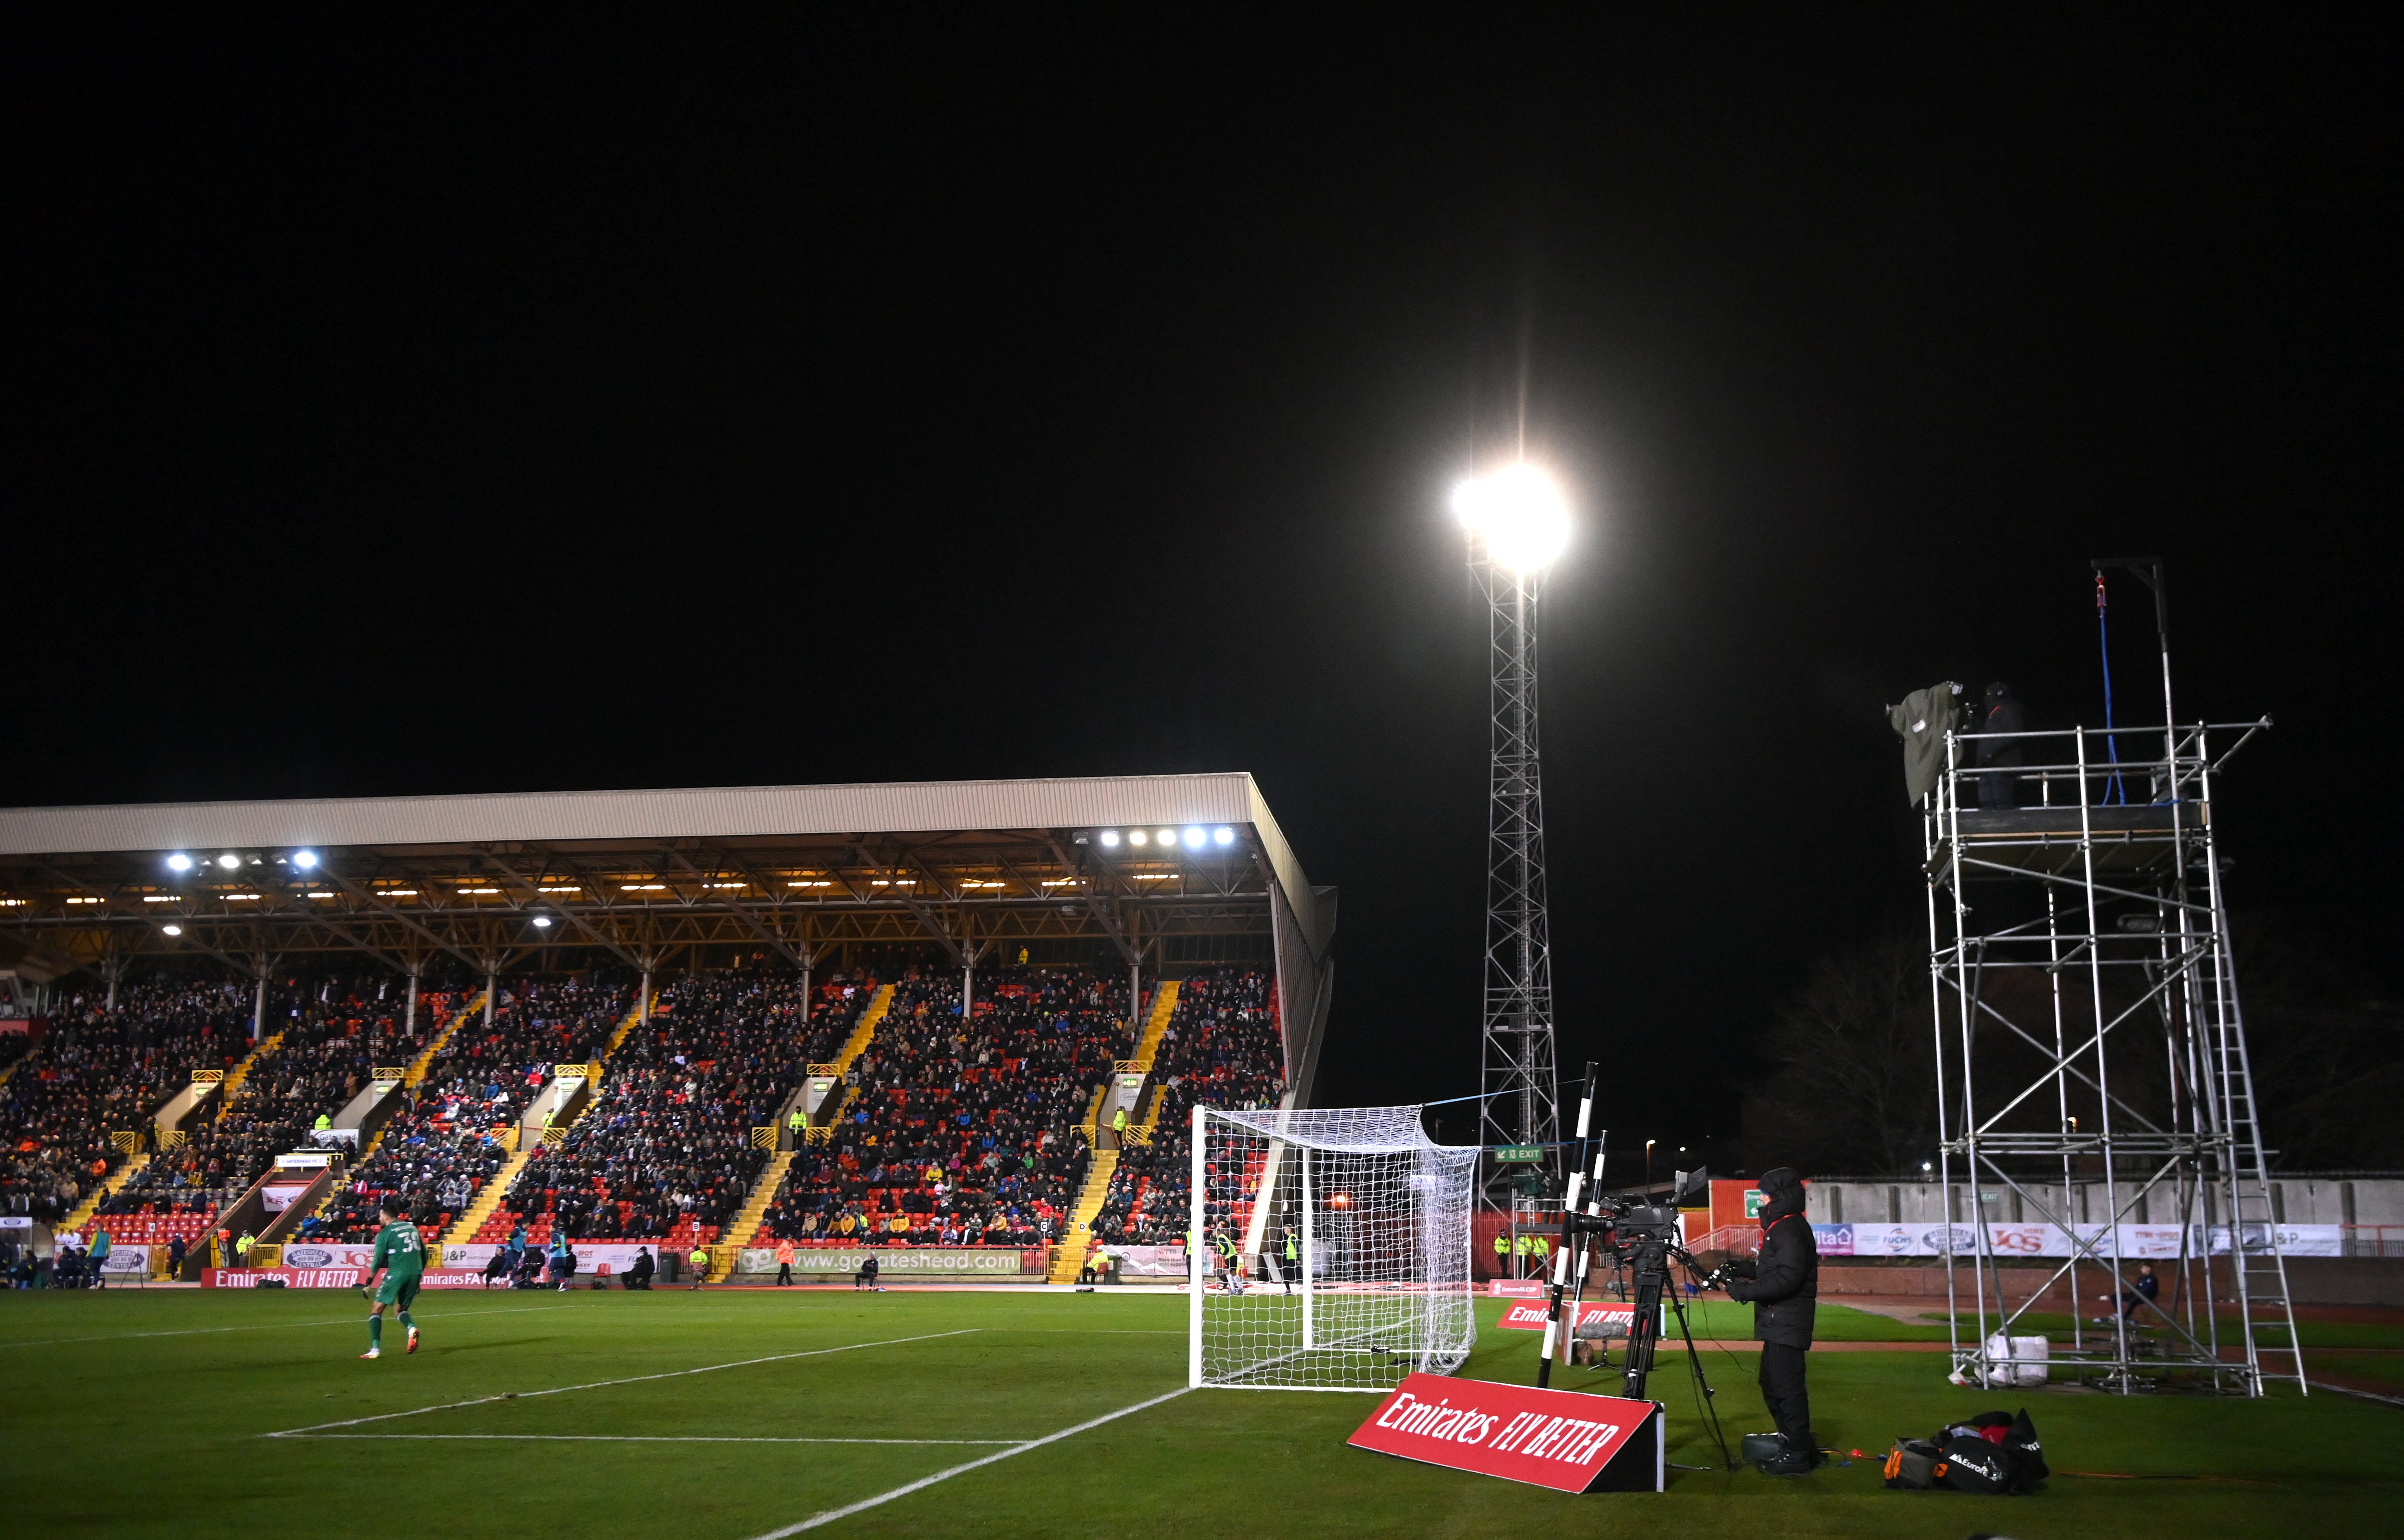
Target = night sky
(427,410)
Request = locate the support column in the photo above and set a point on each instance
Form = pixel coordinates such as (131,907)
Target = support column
(409,1021)
(258,1007)
(492,987)
(643,1000)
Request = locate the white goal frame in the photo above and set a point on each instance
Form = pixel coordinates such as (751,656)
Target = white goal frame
(1380,1216)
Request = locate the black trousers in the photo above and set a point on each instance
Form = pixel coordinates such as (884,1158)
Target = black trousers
(1786,1395)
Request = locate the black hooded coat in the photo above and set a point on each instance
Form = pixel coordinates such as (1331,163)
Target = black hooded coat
(1783,1282)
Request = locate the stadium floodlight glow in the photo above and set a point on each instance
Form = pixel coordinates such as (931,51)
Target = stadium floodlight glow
(1194,838)
(1109,837)
(1222,837)
(1166,836)
(230,861)
(1519,512)
(542,922)
(1136,837)
(304,859)
(179,862)
(171,930)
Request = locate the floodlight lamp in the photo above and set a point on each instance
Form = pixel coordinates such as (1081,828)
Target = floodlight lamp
(1222,837)
(1519,512)
(230,861)
(1136,837)
(304,859)
(1111,837)
(172,930)
(1194,838)
(179,862)
(1166,836)
(542,922)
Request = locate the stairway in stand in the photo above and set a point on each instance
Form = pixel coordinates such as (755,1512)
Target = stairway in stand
(415,1074)
(101,1194)
(729,1249)
(1164,1006)
(1069,1259)
(240,1072)
(857,1043)
(487,1200)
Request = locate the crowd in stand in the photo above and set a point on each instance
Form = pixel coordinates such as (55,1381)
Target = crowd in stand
(330,1038)
(963,1132)
(669,1151)
(438,1152)
(102,1069)
(1221,1046)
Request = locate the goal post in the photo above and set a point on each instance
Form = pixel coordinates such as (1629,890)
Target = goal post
(1376,1216)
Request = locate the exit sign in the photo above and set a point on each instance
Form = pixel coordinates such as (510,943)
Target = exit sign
(1524,1154)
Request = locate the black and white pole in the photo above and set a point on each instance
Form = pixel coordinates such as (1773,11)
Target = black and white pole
(1570,1200)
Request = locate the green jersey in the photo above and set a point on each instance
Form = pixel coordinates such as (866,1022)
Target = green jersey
(398,1247)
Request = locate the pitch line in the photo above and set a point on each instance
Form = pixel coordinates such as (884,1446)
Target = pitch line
(924,1482)
(642,1439)
(603,1384)
(271,1326)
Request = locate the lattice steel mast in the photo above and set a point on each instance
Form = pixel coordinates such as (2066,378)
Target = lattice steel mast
(1517,525)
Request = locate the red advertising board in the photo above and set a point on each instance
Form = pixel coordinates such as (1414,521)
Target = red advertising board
(1545,1438)
(329,1278)
(1529,1315)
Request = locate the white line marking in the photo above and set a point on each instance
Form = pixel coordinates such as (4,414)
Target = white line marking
(272,1326)
(639,1438)
(602,1384)
(924,1482)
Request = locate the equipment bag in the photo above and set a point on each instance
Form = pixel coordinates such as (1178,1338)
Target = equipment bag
(1970,1463)
(1911,1465)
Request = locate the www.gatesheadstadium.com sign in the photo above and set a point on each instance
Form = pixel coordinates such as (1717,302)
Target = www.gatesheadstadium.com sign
(898,1261)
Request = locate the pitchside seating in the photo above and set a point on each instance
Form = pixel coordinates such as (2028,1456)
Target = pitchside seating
(667,1153)
(963,1132)
(101,1071)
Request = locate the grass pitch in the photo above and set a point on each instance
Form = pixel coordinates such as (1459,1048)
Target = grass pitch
(728,1415)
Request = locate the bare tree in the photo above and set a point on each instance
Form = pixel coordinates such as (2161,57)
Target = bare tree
(1848,1071)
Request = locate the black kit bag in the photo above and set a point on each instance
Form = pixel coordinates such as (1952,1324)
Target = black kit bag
(1970,1463)
(2015,1464)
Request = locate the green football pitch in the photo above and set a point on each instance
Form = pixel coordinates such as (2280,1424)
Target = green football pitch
(732,1414)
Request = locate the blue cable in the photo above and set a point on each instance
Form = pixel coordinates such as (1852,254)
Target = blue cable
(2112,789)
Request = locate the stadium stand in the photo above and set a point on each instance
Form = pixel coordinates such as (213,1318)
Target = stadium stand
(101,1071)
(461,1130)
(1221,1046)
(667,1152)
(334,1035)
(963,1132)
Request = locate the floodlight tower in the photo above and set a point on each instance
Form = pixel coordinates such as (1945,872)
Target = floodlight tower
(1516,522)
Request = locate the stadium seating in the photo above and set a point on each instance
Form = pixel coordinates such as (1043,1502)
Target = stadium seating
(1222,1047)
(331,1038)
(667,1152)
(963,1132)
(101,1071)
(457,1136)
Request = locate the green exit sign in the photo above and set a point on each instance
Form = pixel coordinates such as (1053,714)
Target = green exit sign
(1524,1154)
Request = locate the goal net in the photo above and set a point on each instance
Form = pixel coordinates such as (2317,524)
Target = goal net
(1330,1249)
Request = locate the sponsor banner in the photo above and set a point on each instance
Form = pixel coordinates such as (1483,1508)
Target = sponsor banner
(15,1221)
(594,1259)
(303,1160)
(843,1261)
(334,1139)
(281,1195)
(327,1278)
(1529,1315)
(130,1260)
(1515,1288)
(2135,1242)
(1147,1261)
(1544,1438)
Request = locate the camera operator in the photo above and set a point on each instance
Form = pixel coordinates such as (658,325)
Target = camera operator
(1783,1285)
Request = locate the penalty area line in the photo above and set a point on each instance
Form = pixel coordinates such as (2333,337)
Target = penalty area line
(316,1428)
(814,1520)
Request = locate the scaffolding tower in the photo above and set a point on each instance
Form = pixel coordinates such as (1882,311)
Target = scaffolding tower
(2091,1070)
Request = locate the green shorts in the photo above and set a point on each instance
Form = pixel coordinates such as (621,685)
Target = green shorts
(396,1291)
